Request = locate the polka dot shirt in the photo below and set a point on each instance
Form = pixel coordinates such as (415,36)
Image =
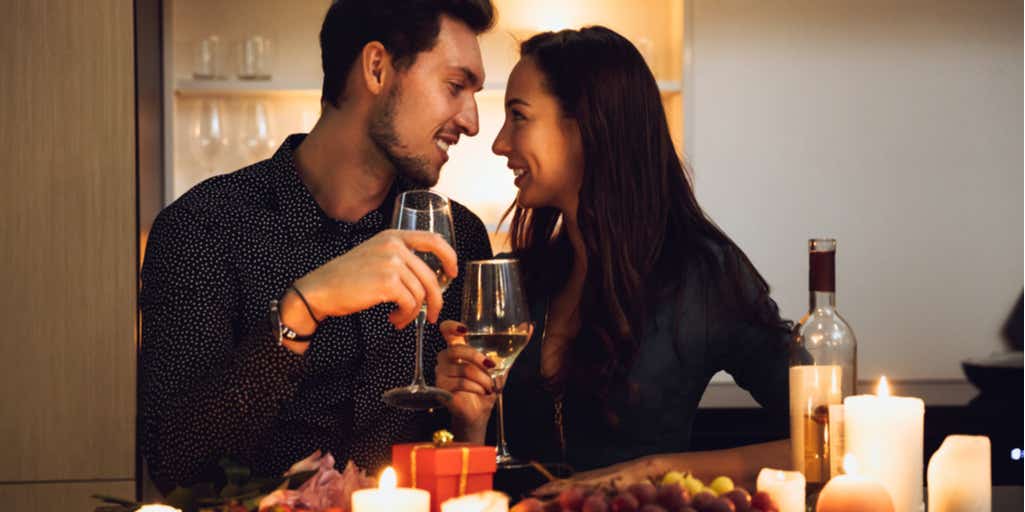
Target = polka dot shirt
(213,380)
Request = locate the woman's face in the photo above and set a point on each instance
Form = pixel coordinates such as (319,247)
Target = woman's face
(541,143)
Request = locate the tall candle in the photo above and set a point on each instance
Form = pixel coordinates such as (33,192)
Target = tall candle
(786,488)
(959,475)
(387,497)
(884,433)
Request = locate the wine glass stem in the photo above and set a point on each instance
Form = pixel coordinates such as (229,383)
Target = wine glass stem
(418,376)
(503,450)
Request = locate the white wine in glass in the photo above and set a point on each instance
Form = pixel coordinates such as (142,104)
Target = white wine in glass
(497,318)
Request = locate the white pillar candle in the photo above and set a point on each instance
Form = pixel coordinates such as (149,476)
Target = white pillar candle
(786,488)
(959,475)
(387,497)
(885,434)
(487,501)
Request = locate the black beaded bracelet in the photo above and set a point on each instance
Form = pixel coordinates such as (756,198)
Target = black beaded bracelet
(306,303)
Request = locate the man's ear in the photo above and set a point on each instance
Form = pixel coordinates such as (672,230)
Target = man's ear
(376,66)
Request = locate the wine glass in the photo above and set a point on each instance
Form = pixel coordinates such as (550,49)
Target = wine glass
(209,133)
(256,138)
(497,319)
(422,210)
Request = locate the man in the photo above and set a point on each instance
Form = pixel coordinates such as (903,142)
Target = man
(307,228)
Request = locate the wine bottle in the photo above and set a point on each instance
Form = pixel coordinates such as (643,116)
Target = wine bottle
(823,370)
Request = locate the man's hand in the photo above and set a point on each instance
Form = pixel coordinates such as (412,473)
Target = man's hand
(382,269)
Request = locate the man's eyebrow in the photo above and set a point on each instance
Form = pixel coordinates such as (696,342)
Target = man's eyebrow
(516,101)
(471,77)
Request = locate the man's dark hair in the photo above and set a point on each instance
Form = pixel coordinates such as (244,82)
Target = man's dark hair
(404,27)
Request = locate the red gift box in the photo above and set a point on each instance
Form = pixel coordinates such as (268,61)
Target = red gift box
(446,472)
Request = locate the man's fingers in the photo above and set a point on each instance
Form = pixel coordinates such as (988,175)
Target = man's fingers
(453,332)
(425,241)
(406,310)
(428,281)
(414,286)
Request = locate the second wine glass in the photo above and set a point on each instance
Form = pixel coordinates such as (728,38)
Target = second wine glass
(422,210)
(497,319)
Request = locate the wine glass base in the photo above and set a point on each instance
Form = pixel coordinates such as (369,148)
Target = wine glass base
(509,462)
(416,398)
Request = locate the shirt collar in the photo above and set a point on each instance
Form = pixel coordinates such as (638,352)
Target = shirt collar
(300,211)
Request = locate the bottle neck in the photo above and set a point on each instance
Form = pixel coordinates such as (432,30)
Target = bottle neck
(821,299)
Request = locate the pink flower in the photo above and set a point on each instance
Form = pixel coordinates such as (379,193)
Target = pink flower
(326,488)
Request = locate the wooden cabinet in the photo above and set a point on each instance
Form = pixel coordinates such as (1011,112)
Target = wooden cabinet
(67,136)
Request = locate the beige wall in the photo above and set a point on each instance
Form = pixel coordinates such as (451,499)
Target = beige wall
(67,389)
(894,126)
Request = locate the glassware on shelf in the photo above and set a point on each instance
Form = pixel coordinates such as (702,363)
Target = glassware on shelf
(254,58)
(208,135)
(256,138)
(208,59)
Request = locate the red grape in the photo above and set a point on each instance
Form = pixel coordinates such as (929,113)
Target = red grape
(644,492)
(701,499)
(720,505)
(740,498)
(651,507)
(529,505)
(762,500)
(625,502)
(572,498)
(595,503)
(672,496)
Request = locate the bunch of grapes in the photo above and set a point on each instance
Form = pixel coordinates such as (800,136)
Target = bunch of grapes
(675,493)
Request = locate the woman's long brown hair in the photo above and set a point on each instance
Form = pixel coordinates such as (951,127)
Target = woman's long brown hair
(640,222)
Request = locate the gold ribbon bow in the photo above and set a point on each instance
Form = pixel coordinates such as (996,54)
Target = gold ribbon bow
(442,438)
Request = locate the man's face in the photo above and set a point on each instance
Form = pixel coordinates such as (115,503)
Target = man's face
(430,105)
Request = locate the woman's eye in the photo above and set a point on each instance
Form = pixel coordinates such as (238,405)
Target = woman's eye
(517,116)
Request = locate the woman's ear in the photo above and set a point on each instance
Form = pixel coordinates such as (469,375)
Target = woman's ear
(375,66)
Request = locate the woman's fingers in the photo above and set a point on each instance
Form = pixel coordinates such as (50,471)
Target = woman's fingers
(462,363)
(453,332)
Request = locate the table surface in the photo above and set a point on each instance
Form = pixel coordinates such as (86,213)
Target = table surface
(1007,497)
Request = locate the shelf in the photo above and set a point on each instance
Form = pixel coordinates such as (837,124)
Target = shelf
(190,87)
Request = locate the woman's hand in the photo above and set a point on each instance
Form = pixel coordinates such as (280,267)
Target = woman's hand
(622,475)
(463,371)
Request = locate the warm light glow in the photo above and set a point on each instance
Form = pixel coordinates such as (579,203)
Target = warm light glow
(157,508)
(850,464)
(388,479)
(884,387)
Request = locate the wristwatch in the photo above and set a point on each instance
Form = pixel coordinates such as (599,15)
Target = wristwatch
(284,332)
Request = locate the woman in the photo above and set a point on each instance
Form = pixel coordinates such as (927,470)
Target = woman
(637,297)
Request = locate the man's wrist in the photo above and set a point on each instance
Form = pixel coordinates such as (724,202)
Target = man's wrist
(295,315)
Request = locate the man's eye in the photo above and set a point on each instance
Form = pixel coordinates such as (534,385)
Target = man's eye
(455,88)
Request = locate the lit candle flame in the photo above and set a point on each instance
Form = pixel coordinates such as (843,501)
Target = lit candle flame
(884,387)
(388,479)
(850,464)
